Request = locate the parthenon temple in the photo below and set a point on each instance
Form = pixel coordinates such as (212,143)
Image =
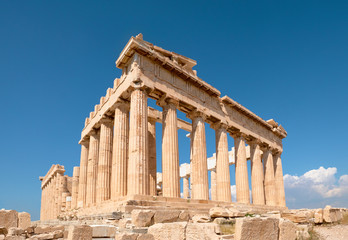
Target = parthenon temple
(118,144)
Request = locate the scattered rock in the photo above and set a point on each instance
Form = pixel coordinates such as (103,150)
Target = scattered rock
(298,216)
(165,216)
(146,237)
(287,230)
(184,216)
(174,231)
(302,232)
(105,231)
(8,218)
(14,231)
(126,236)
(142,218)
(201,218)
(331,215)
(318,216)
(24,220)
(201,231)
(218,212)
(80,232)
(256,228)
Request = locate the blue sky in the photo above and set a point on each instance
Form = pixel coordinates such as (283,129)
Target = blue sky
(286,60)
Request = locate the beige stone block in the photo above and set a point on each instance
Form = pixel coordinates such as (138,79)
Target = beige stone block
(14,231)
(127,236)
(184,216)
(331,215)
(15,238)
(298,216)
(165,216)
(122,223)
(24,220)
(201,218)
(199,231)
(8,218)
(82,232)
(142,218)
(256,228)
(146,236)
(218,212)
(58,234)
(287,230)
(2,237)
(318,216)
(169,231)
(103,231)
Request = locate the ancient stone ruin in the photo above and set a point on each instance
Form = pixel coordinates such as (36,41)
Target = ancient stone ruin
(118,144)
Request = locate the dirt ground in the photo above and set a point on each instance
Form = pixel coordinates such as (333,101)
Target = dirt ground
(333,232)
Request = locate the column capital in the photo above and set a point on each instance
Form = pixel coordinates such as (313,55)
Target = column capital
(196,114)
(106,120)
(219,125)
(164,101)
(84,142)
(94,133)
(122,104)
(239,135)
(254,141)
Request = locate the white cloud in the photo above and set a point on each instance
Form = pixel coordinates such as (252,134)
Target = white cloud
(316,188)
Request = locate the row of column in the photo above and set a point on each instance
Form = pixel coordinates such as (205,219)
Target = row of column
(120,159)
(52,196)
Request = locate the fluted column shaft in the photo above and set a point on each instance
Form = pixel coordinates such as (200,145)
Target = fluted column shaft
(270,191)
(257,186)
(81,202)
(170,151)
(186,186)
(279,182)
(92,167)
(152,157)
(104,160)
(42,209)
(75,187)
(242,182)
(222,166)
(120,151)
(199,168)
(138,152)
(213,185)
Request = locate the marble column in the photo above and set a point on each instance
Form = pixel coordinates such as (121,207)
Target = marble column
(104,160)
(186,186)
(138,152)
(92,168)
(213,185)
(62,183)
(120,151)
(42,209)
(152,157)
(257,178)
(222,165)
(270,191)
(199,168)
(241,170)
(75,187)
(170,150)
(81,202)
(279,182)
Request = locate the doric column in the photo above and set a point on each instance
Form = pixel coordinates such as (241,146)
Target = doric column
(222,164)
(62,183)
(186,186)
(42,209)
(152,157)
(120,151)
(81,202)
(104,160)
(170,150)
(213,185)
(199,168)
(138,152)
(279,182)
(257,186)
(92,168)
(270,194)
(75,187)
(242,182)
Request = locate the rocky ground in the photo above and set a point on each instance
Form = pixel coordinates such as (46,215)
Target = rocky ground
(331,232)
(149,224)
